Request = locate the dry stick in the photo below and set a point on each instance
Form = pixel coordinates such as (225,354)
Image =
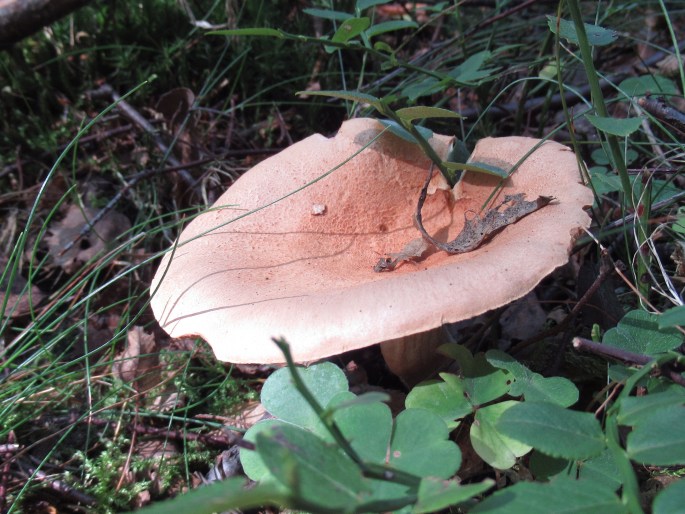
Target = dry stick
(221,441)
(664,112)
(606,270)
(137,119)
(61,487)
(670,370)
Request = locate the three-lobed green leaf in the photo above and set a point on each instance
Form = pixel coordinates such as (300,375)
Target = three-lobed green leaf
(495,447)
(296,450)
(533,386)
(436,494)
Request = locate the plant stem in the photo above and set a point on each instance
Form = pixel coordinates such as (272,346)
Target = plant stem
(598,99)
(643,261)
(368,469)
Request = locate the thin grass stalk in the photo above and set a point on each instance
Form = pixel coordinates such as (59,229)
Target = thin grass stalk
(617,157)
(598,99)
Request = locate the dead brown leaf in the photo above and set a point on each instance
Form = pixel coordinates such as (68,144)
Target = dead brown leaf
(522,319)
(139,362)
(68,230)
(19,299)
(413,250)
(479,229)
(175,105)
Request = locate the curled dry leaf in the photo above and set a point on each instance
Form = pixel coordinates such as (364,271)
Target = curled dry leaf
(226,465)
(175,105)
(413,250)
(101,234)
(139,362)
(479,229)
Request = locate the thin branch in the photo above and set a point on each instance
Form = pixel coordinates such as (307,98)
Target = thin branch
(141,122)
(658,108)
(672,370)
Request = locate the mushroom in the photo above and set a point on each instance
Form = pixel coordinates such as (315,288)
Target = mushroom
(258,265)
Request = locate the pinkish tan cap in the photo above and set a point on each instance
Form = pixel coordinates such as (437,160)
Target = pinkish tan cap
(302,267)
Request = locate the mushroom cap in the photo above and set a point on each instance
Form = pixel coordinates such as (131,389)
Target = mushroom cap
(291,269)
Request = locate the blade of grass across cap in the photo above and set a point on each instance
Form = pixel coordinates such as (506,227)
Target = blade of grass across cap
(422,112)
(354,96)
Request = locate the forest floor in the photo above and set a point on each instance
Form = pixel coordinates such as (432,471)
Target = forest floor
(125,120)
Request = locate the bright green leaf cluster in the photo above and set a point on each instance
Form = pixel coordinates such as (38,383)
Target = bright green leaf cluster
(296,452)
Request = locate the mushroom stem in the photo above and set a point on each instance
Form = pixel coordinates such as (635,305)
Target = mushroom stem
(414,358)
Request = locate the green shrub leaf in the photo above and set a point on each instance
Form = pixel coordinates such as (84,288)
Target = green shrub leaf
(365,4)
(327,14)
(350,28)
(616,126)
(544,467)
(403,133)
(390,26)
(368,427)
(353,96)
(420,445)
(601,469)
(635,409)
(672,317)
(553,430)
(639,332)
(478,167)
(671,499)
(470,71)
(494,447)
(567,495)
(252,463)
(482,382)
(654,84)
(226,495)
(659,440)
(596,35)
(424,87)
